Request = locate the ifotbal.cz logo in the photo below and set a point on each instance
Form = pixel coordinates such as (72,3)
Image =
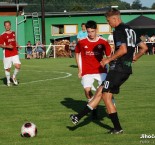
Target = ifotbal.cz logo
(147,139)
(146,136)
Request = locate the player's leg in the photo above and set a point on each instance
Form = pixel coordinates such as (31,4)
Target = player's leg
(88,93)
(7,74)
(7,65)
(107,97)
(111,85)
(89,107)
(93,103)
(101,78)
(17,65)
(87,82)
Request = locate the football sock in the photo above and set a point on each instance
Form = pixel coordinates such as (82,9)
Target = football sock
(84,112)
(90,99)
(94,113)
(7,74)
(15,72)
(115,121)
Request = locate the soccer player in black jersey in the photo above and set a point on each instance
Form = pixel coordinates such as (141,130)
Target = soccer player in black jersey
(125,41)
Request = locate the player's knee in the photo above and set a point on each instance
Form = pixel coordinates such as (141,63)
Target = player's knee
(8,69)
(17,66)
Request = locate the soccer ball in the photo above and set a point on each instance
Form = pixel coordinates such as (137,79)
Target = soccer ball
(28,129)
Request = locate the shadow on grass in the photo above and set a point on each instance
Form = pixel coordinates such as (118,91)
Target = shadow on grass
(77,106)
(4,80)
(73,66)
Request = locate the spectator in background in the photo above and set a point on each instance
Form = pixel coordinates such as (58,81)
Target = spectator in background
(72,48)
(149,45)
(110,38)
(111,42)
(152,39)
(29,50)
(40,50)
(83,33)
(34,52)
(143,38)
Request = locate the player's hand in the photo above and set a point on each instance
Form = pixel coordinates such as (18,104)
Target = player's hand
(19,47)
(79,74)
(104,62)
(9,46)
(134,59)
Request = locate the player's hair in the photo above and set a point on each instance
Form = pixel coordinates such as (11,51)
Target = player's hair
(112,12)
(7,22)
(91,24)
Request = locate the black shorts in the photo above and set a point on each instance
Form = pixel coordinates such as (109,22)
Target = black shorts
(113,81)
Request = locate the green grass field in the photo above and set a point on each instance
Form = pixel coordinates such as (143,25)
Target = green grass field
(49,91)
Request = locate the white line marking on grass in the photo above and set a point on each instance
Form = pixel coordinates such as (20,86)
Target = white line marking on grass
(57,78)
(63,77)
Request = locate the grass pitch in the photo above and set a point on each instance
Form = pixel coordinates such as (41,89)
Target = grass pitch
(49,91)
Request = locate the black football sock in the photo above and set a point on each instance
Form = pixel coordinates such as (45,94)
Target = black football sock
(84,112)
(115,121)
(94,113)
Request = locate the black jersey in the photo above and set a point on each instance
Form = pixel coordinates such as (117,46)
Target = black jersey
(123,34)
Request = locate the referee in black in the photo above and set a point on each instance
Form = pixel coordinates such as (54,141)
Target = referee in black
(120,62)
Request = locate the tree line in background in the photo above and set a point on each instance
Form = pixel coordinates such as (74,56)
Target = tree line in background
(78,5)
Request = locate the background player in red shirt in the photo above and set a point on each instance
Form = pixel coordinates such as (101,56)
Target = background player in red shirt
(8,40)
(89,52)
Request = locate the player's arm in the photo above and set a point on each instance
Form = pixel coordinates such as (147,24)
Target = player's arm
(2,42)
(143,49)
(108,51)
(120,52)
(77,57)
(6,46)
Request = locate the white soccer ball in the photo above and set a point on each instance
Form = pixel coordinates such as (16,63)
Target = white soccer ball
(28,129)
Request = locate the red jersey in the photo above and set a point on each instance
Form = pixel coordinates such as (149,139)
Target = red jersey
(9,39)
(92,53)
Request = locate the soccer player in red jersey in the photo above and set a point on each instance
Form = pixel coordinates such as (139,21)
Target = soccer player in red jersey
(89,52)
(8,42)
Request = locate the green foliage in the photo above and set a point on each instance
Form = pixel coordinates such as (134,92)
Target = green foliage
(77,5)
(153,6)
(136,4)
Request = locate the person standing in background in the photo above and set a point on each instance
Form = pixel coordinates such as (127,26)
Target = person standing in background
(83,33)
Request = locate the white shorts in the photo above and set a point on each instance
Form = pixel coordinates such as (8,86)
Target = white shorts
(88,80)
(8,61)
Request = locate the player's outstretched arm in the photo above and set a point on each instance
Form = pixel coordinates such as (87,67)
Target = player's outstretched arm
(143,49)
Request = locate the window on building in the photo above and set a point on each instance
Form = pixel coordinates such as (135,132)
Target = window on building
(104,28)
(57,29)
(64,29)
